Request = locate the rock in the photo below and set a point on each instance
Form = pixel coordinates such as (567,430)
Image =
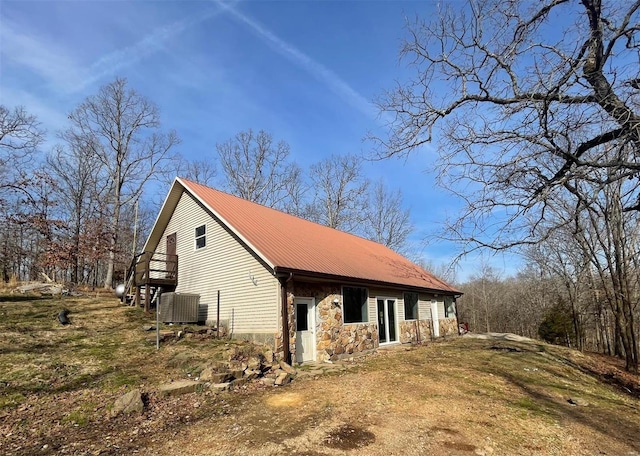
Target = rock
(282,379)
(239,382)
(237,373)
(287,368)
(251,374)
(129,403)
(178,388)
(206,373)
(63,317)
(254,363)
(166,334)
(218,387)
(577,401)
(268,381)
(209,375)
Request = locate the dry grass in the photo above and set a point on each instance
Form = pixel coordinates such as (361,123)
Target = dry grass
(462,396)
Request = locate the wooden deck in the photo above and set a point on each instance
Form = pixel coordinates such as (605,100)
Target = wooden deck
(147,271)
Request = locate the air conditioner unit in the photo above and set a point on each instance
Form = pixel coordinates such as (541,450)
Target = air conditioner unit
(179,307)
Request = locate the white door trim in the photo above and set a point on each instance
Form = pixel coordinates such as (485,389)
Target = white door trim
(386,316)
(434,318)
(311,302)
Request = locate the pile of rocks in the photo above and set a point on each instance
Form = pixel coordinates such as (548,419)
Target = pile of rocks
(236,373)
(228,375)
(216,378)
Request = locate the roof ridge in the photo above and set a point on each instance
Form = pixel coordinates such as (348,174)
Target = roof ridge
(290,242)
(246,201)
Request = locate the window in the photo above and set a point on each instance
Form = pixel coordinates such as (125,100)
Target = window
(355,305)
(302,317)
(411,306)
(201,236)
(449,307)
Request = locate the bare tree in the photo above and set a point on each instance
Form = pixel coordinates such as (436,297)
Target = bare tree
(201,171)
(20,132)
(526,100)
(20,136)
(297,192)
(340,193)
(609,238)
(387,220)
(79,195)
(519,103)
(121,130)
(486,293)
(257,169)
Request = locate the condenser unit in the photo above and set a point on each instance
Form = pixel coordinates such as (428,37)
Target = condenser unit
(179,307)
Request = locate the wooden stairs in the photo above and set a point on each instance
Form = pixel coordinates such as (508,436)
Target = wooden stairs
(149,275)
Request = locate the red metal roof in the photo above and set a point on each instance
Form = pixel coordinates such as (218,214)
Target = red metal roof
(290,243)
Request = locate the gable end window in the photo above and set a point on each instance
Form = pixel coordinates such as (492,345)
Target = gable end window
(201,237)
(355,301)
(411,306)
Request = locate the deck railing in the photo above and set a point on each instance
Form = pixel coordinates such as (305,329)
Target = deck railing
(151,269)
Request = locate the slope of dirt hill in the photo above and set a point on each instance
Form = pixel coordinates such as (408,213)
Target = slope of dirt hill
(495,395)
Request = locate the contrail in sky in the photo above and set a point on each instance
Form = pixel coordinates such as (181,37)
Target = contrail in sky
(316,69)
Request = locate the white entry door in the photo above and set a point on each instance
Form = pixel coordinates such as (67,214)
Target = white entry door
(305,313)
(434,318)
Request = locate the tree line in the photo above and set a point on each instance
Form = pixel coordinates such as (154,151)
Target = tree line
(71,213)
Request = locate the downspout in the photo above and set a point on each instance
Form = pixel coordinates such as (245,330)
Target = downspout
(285,318)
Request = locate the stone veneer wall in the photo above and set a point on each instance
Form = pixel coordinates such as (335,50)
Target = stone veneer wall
(334,339)
(409,331)
(449,327)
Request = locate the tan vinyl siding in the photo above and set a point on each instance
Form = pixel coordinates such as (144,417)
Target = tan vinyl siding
(374,293)
(424,306)
(248,291)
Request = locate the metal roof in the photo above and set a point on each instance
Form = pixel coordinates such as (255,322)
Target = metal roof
(291,244)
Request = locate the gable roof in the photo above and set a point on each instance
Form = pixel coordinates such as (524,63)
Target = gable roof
(291,244)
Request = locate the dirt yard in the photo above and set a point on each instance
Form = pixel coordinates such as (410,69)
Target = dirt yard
(464,396)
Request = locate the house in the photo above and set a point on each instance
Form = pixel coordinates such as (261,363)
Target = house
(337,293)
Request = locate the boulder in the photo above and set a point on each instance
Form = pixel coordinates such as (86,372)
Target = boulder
(287,368)
(209,375)
(254,363)
(282,379)
(237,373)
(129,403)
(251,374)
(178,388)
(577,401)
(268,381)
(239,382)
(219,387)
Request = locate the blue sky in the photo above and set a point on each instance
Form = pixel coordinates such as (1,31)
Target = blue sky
(306,72)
